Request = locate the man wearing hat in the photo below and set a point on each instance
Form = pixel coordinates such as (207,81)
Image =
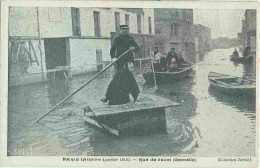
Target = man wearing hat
(121,44)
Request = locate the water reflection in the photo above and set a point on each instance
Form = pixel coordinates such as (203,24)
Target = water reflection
(179,139)
(242,103)
(57,90)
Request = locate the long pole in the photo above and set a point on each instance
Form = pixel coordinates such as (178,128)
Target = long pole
(155,84)
(39,45)
(66,98)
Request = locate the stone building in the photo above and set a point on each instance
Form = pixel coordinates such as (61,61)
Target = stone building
(174,29)
(248,34)
(75,38)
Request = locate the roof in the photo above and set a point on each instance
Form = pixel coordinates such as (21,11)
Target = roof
(135,10)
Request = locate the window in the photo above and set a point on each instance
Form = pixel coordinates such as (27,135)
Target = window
(117,21)
(174,29)
(97,24)
(75,21)
(127,20)
(139,25)
(150,25)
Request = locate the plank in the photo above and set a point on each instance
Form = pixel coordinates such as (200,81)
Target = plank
(95,123)
(151,102)
(34,53)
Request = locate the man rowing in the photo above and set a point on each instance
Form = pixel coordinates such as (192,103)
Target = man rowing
(122,85)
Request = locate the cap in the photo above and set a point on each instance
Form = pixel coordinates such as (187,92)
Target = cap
(124,27)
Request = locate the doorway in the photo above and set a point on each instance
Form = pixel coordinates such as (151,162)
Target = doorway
(55,54)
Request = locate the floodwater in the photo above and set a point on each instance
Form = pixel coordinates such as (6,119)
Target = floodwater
(207,123)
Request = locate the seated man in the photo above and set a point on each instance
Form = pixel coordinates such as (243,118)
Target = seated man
(121,86)
(180,60)
(173,66)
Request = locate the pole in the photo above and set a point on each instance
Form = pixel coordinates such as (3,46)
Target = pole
(66,98)
(155,84)
(39,45)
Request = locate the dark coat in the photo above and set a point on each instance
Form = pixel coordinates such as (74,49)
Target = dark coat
(121,44)
(171,55)
(121,86)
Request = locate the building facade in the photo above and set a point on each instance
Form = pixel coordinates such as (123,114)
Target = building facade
(202,37)
(174,29)
(248,34)
(43,39)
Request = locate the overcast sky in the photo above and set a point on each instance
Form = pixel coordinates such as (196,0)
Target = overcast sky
(223,23)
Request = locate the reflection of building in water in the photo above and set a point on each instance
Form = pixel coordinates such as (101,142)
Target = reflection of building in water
(57,90)
(173,29)
(76,39)
(248,35)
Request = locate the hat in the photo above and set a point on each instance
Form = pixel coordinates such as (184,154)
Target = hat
(124,27)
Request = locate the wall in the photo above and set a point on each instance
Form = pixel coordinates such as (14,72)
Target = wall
(107,20)
(165,39)
(23,22)
(83,54)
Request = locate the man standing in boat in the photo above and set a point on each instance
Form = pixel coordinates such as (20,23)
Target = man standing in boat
(121,44)
(121,86)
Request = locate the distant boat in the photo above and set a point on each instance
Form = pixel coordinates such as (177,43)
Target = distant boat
(248,59)
(232,85)
(169,77)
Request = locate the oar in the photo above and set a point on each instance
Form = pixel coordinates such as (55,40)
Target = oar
(66,98)
(155,84)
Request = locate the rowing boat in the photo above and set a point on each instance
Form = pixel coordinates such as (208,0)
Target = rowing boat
(232,85)
(169,77)
(248,59)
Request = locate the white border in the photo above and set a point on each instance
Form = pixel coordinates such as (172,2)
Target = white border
(57,160)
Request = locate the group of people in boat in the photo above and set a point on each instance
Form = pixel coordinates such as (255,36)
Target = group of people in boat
(171,63)
(246,53)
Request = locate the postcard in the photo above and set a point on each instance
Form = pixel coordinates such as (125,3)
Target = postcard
(129,83)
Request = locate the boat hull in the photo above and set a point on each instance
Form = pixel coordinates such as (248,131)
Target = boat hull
(166,77)
(234,89)
(242,59)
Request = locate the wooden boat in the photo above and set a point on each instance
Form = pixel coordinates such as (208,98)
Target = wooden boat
(248,59)
(168,77)
(145,116)
(232,85)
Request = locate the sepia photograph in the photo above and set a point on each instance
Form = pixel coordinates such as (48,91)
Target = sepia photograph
(123,81)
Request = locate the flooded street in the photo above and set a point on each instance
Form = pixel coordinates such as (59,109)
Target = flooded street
(207,123)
